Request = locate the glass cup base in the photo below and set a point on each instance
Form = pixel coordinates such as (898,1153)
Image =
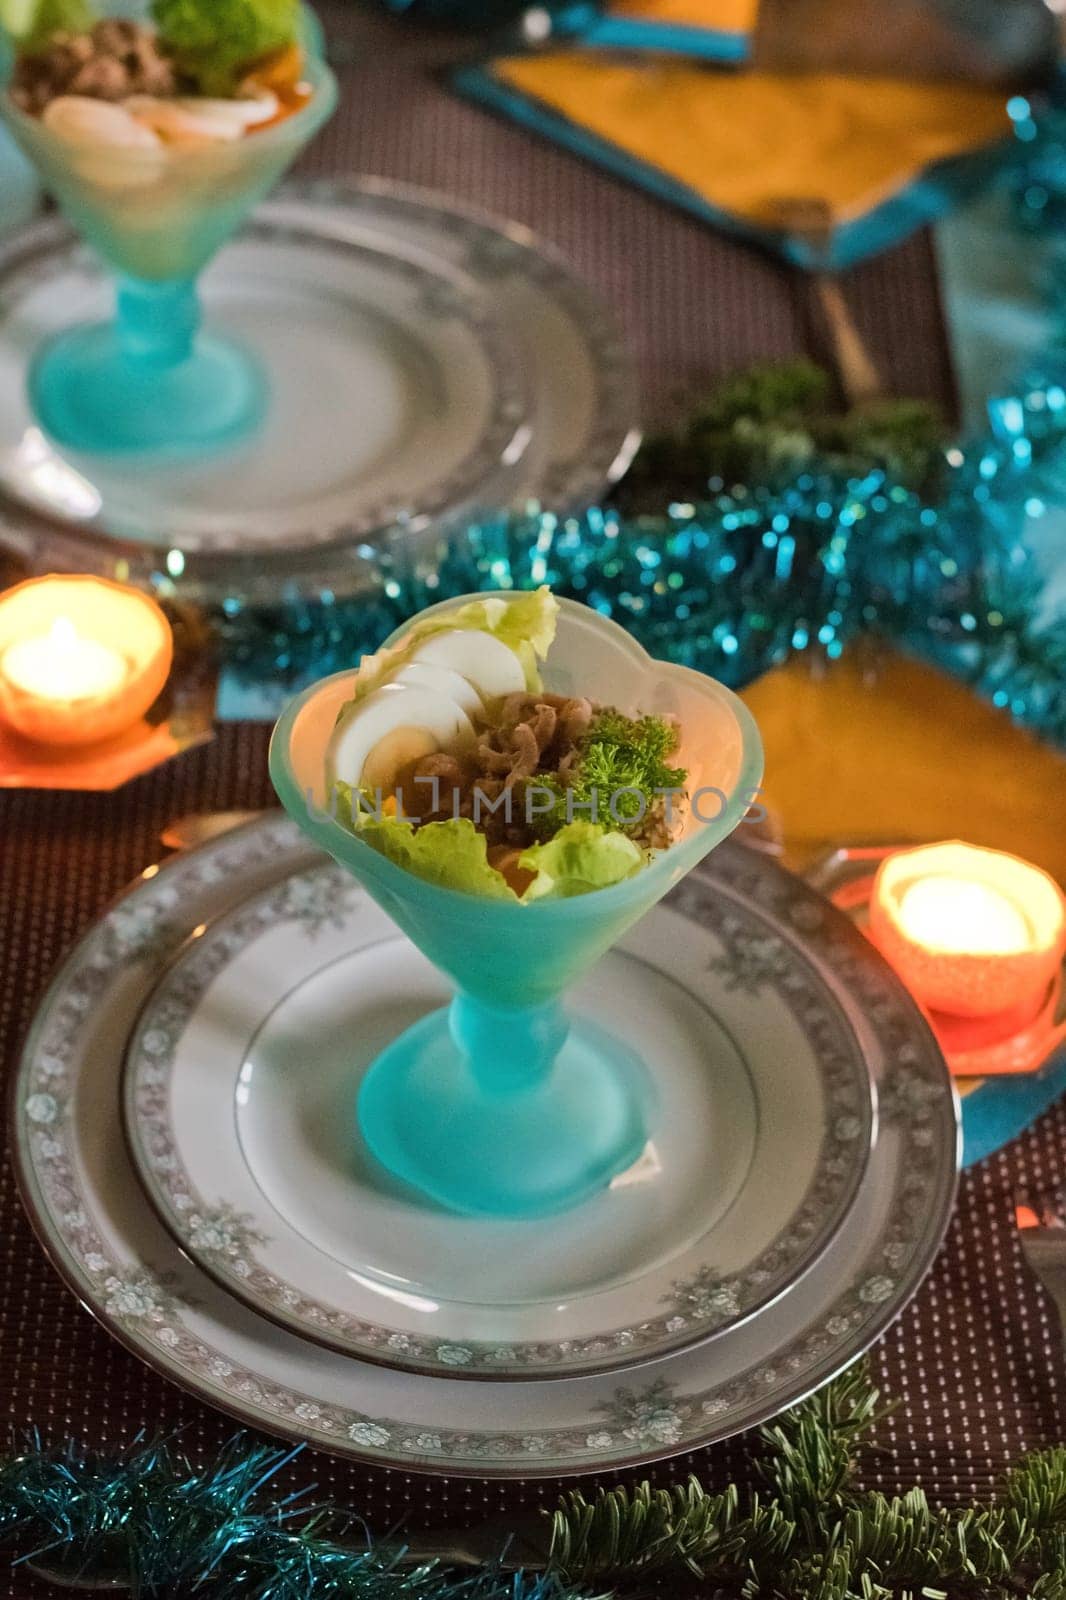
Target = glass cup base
(511,1149)
(89,395)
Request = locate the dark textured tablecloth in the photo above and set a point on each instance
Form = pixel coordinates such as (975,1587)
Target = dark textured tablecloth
(692,303)
(977,1360)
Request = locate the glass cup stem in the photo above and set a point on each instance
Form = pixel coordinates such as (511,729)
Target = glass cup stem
(148,382)
(507,1051)
(157,322)
(506,1112)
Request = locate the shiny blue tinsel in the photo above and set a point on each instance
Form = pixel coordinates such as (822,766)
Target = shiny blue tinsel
(751,574)
(152,1521)
(756,573)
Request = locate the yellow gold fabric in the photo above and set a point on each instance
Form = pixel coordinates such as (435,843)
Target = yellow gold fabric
(911,755)
(723,16)
(745,142)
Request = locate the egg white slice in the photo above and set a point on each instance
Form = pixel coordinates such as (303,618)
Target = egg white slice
(82,120)
(396,725)
(444,681)
(247,112)
(483,660)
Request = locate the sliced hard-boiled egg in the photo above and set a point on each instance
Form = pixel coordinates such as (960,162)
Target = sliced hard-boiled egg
(247,112)
(444,681)
(86,121)
(198,121)
(380,737)
(483,660)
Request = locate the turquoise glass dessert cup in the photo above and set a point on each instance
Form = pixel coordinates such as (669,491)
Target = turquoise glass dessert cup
(501,1105)
(149,382)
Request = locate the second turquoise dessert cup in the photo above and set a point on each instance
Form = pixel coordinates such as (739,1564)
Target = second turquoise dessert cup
(501,1105)
(149,383)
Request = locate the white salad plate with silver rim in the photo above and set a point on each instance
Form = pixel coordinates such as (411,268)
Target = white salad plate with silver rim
(396,393)
(106,1239)
(239,1101)
(379,439)
(586,397)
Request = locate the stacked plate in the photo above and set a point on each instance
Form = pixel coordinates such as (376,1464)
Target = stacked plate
(229,1227)
(425,364)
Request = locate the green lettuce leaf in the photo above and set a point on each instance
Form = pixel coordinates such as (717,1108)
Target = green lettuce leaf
(31,23)
(452,854)
(581,857)
(217,41)
(526,625)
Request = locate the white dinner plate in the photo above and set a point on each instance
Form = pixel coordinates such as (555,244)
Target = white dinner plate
(240,1106)
(105,1238)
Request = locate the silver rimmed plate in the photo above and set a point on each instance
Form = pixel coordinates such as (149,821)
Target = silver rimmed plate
(586,398)
(396,394)
(582,411)
(240,1107)
(91,1214)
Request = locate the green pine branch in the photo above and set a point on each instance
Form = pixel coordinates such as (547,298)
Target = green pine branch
(814,1535)
(628,1534)
(777,420)
(810,1453)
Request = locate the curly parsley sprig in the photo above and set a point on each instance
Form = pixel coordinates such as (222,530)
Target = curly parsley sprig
(623,760)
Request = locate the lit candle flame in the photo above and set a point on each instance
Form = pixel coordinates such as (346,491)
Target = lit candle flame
(974,933)
(64,665)
(961,915)
(81,659)
(64,634)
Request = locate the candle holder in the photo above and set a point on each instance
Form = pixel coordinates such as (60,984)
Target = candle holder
(81,659)
(1013,1038)
(90,693)
(502,1104)
(973,933)
(148,382)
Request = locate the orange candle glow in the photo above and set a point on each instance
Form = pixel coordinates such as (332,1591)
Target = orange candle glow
(958,916)
(972,932)
(81,659)
(61,665)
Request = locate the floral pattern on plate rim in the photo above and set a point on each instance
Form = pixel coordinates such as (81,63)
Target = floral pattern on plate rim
(494,250)
(697,1306)
(637,1424)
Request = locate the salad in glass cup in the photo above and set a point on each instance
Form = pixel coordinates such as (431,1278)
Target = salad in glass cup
(157,128)
(516,782)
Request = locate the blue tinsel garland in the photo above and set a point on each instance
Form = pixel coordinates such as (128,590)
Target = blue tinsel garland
(755,574)
(804,560)
(1039,180)
(153,1524)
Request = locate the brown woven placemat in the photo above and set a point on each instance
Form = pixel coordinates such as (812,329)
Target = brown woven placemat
(976,1361)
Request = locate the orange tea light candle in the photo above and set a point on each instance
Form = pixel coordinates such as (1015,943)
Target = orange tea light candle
(81,659)
(972,932)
